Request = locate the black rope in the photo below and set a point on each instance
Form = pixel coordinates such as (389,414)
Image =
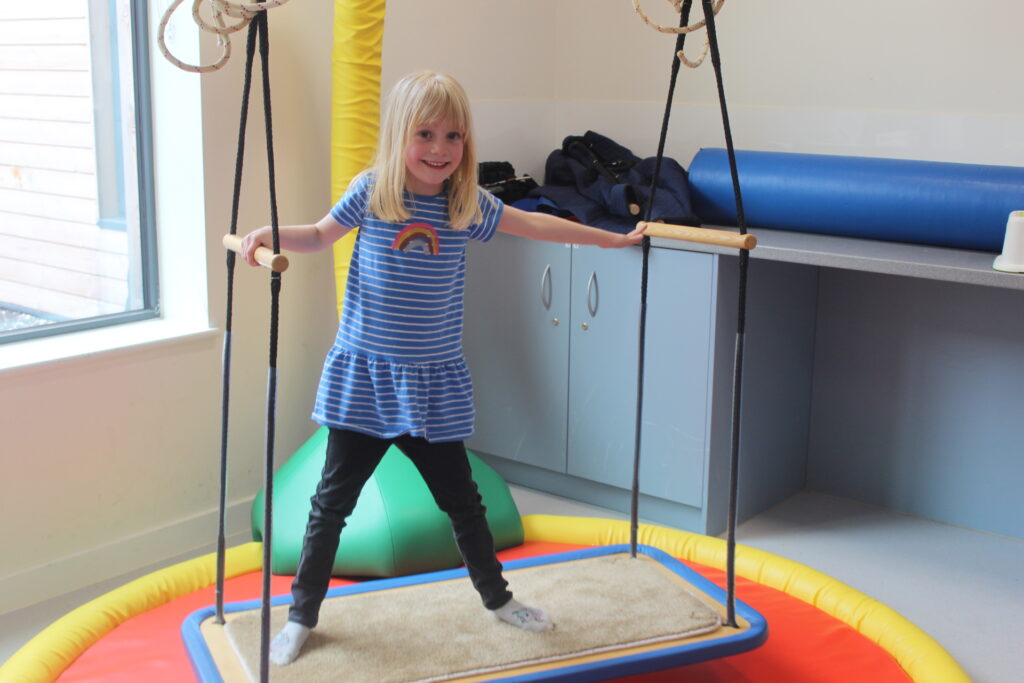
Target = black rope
(275,296)
(744,258)
(228,315)
(684,17)
(634,506)
(258,29)
(741,321)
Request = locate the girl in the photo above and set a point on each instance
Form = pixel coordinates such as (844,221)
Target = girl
(396,373)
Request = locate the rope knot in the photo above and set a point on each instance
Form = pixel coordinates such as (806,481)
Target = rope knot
(218,9)
(677,7)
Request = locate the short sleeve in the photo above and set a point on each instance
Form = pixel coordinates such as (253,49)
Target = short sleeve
(351,208)
(491,207)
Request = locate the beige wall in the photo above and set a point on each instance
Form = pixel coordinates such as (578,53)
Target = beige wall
(110,462)
(921,79)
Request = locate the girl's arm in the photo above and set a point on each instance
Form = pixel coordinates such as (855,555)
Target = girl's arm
(301,238)
(544,226)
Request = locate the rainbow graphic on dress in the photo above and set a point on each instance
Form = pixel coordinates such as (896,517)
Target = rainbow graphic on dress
(419,237)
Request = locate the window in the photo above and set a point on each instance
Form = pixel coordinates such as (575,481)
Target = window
(76,208)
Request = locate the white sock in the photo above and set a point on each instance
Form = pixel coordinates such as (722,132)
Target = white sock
(523,616)
(288,643)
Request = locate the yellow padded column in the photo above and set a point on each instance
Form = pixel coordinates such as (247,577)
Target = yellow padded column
(358,40)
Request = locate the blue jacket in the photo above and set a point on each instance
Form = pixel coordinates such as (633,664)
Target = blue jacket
(605,185)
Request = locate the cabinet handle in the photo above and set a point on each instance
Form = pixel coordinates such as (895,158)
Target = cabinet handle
(593,295)
(545,288)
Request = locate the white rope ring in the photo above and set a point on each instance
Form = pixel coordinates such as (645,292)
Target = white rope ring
(700,59)
(677,6)
(218,9)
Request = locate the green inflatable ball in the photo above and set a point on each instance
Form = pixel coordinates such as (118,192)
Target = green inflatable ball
(396,528)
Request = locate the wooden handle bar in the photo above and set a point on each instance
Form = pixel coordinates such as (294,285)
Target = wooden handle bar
(265,257)
(685,233)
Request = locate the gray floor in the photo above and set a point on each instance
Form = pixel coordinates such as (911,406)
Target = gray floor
(963,587)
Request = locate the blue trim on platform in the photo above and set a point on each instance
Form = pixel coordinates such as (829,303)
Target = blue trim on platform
(613,667)
(195,644)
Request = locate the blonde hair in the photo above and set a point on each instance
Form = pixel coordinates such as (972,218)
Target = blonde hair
(416,100)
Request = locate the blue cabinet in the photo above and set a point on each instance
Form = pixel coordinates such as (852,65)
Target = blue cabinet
(604,311)
(517,346)
(551,338)
(603,370)
(677,377)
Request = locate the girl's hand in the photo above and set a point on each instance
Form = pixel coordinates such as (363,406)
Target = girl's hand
(254,240)
(617,241)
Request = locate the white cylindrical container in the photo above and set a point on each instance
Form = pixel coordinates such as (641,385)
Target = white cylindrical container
(1012,258)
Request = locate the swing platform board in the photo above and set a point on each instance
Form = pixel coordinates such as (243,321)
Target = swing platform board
(615,616)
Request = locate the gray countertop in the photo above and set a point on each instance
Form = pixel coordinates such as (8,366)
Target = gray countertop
(893,258)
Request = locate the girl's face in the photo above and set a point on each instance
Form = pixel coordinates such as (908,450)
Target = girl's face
(431,157)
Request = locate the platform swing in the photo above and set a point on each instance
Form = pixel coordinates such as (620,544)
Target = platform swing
(667,645)
(672,642)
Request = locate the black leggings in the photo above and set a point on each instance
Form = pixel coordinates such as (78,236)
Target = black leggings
(351,459)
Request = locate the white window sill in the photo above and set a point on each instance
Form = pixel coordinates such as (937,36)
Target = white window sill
(50,352)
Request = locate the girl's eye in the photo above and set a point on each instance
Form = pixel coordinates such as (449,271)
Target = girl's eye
(424,134)
(454,136)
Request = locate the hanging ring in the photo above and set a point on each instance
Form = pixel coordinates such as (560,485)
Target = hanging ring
(245,12)
(691,63)
(674,29)
(700,59)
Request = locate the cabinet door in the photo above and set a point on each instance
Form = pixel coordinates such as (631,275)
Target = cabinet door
(603,364)
(676,376)
(517,344)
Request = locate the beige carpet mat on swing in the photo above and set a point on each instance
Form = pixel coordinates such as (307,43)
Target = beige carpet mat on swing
(439,631)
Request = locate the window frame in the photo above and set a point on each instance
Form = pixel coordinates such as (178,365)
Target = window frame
(142,256)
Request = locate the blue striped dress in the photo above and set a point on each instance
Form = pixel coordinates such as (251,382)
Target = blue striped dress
(397,365)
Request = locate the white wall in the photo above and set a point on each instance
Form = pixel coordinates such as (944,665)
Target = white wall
(919,79)
(109,462)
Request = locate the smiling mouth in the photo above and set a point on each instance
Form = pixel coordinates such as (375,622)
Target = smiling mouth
(435,164)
